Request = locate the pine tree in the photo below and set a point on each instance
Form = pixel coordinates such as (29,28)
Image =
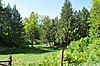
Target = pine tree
(5,25)
(11,27)
(64,28)
(16,26)
(81,25)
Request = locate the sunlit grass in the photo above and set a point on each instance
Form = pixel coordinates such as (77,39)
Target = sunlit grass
(27,56)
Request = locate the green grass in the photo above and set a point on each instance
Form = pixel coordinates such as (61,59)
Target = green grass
(27,56)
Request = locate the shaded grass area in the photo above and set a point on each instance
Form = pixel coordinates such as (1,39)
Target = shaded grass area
(23,51)
(37,49)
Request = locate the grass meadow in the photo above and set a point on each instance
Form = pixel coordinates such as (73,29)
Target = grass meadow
(38,56)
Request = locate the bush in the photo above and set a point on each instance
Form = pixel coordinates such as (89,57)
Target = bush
(82,52)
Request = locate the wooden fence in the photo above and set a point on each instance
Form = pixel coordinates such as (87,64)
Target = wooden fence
(8,61)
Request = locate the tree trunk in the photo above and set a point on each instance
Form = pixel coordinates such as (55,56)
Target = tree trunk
(32,44)
(61,58)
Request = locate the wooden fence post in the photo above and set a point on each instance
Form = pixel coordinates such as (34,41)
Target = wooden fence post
(10,61)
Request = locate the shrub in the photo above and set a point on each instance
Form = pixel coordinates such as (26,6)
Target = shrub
(82,52)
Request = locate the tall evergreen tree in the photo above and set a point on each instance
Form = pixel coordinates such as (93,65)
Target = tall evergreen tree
(64,28)
(64,32)
(16,26)
(10,26)
(5,25)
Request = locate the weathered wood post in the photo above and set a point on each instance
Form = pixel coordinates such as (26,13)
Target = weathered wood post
(10,61)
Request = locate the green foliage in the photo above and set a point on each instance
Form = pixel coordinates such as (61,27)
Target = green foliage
(83,51)
(72,25)
(81,23)
(15,29)
(64,26)
(10,27)
(31,27)
(86,51)
(95,21)
(46,28)
(31,22)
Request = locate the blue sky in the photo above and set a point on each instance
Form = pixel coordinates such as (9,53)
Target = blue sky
(51,8)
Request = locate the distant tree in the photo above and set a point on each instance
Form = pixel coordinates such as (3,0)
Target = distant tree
(46,22)
(81,23)
(52,29)
(54,25)
(31,27)
(85,15)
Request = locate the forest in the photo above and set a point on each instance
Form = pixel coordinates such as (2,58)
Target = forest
(73,39)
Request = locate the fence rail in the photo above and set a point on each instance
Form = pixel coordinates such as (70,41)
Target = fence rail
(8,61)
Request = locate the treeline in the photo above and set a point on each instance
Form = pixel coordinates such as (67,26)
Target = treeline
(72,25)
(36,29)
